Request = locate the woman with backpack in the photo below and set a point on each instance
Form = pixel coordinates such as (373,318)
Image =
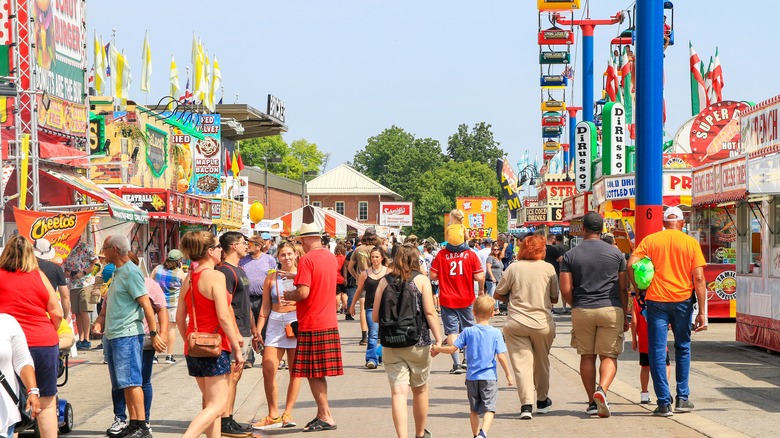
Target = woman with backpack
(407,366)
(368,281)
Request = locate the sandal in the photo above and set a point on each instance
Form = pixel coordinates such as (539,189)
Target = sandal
(317,425)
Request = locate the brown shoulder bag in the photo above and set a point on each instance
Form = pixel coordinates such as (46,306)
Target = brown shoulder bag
(202,344)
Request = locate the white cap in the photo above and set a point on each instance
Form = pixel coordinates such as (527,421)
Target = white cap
(673,214)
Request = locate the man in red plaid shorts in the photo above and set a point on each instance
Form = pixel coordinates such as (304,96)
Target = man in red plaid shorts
(319,346)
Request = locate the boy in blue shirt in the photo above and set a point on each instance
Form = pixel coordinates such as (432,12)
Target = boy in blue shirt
(484,344)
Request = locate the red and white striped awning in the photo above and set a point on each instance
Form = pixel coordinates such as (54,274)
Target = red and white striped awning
(332,223)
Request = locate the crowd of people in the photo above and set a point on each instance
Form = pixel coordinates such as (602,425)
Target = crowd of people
(251,295)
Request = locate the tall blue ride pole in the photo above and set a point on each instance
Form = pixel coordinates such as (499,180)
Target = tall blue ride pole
(587,73)
(649,116)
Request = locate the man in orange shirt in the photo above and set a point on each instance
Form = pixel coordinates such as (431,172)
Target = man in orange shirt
(677,258)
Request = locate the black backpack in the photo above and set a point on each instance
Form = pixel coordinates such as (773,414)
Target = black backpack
(400,321)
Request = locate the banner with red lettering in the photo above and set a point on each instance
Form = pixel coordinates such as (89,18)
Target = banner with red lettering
(481,217)
(62,230)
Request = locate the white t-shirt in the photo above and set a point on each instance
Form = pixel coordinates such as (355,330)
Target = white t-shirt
(14,356)
(483,254)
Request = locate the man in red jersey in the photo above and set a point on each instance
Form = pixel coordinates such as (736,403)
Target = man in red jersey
(457,272)
(319,345)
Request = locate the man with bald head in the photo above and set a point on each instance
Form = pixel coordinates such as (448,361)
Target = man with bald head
(679,270)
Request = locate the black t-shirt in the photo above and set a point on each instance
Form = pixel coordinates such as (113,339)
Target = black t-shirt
(237,284)
(53,272)
(551,257)
(595,268)
(351,281)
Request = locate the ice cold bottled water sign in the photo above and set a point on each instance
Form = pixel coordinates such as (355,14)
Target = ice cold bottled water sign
(620,188)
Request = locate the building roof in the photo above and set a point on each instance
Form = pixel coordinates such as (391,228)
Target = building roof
(344,180)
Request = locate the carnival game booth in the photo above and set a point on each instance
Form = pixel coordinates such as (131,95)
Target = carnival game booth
(330,222)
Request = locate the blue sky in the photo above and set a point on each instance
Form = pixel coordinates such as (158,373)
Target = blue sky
(348,69)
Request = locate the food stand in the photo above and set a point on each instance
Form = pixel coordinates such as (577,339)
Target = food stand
(717,188)
(574,209)
(757,226)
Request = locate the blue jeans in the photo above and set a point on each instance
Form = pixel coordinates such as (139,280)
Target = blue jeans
(124,361)
(373,338)
(350,295)
(490,288)
(659,316)
(118,395)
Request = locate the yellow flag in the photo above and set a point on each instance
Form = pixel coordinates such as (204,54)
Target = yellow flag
(24,171)
(234,166)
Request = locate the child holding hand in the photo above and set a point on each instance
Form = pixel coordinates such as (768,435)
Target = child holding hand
(484,345)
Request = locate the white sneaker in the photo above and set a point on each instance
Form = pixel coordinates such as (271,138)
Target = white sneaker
(644,398)
(117,427)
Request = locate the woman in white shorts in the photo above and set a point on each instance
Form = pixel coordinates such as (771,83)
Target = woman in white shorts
(279,318)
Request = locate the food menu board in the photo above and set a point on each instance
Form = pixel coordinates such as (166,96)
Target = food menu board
(716,231)
(207,162)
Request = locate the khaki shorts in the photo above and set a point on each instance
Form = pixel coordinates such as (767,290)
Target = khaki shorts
(172,315)
(597,331)
(80,300)
(244,350)
(407,366)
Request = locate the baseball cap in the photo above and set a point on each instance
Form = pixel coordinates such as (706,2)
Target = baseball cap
(370,231)
(673,214)
(175,255)
(593,221)
(265,236)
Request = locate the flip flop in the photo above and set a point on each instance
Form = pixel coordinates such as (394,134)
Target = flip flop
(317,425)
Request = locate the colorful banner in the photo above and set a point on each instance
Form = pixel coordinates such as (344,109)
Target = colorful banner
(508,182)
(60,48)
(62,116)
(207,163)
(62,230)
(480,217)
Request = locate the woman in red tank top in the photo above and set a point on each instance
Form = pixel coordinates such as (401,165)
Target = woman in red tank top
(204,297)
(27,295)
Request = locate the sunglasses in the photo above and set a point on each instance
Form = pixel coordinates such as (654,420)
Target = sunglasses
(215,246)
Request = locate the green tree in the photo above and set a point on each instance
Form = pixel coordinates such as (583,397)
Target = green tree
(297,157)
(478,145)
(254,150)
(396,159)
(435,194)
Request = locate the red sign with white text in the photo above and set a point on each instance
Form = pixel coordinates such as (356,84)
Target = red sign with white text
(396,214)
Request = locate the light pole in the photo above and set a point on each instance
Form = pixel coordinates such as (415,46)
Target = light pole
(528,173)
(303,184)
(268,160)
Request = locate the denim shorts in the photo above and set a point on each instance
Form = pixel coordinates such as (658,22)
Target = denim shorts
(125,361)
(455,320)
(47,362)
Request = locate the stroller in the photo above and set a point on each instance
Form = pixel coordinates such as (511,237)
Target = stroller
(64,409)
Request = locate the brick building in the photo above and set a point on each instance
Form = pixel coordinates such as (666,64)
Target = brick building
(350,193)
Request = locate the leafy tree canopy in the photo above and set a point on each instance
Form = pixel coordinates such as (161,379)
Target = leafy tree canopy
(436,193)
(396,159)
(296,157)
(477,145)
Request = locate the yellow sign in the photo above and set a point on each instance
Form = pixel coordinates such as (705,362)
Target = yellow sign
(480,216)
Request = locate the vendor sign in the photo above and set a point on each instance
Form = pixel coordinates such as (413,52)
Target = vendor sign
(207,157)
(396,214)
(62,230)
(715,133)
(481,217)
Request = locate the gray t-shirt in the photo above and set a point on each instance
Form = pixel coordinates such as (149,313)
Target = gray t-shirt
(594,266)
(496,267)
